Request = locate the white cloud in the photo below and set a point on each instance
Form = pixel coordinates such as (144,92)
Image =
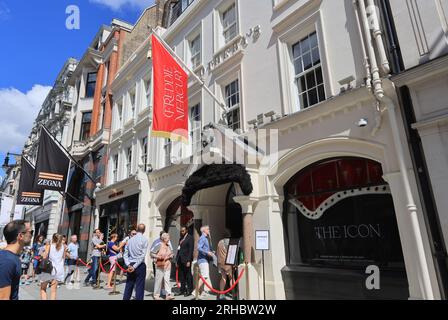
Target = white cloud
(18,110)
(117,4)
(4,11)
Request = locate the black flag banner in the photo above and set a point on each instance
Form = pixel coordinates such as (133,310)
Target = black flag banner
(28,195)
(52,164)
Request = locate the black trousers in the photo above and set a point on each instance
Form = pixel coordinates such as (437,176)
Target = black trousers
(136,280)
(185,278)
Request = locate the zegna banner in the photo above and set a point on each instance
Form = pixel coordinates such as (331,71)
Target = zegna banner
(28,195)
(52,164)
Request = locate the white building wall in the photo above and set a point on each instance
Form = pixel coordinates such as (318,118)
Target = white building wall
(422,28)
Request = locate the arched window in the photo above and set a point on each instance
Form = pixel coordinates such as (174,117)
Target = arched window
(339,212)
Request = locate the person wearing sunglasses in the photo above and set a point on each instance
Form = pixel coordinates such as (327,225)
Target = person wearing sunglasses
(18,234)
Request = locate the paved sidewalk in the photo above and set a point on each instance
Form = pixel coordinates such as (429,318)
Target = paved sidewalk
(80,292)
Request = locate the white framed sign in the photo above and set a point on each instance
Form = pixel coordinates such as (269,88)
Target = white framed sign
(232,252)
(262,240)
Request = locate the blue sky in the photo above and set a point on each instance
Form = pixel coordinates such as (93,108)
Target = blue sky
(35,45)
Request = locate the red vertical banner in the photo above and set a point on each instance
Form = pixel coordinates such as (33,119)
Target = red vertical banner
(170,111)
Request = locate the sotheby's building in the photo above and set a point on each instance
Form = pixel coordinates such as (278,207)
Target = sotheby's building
(339,193)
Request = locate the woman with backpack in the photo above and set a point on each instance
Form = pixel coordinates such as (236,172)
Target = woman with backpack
(55,253)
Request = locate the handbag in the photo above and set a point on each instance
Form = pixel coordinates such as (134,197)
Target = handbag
(45,265)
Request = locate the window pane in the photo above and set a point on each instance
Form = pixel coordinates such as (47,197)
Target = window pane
(298,66)
(302,84)
(313,97)
(310,80)
(307,61)
(305,45)
(321,93)
(304,100)
(313,40)
(319,75)
(296,50)
(91,77)
(90,90)
(316,56)
(86,117)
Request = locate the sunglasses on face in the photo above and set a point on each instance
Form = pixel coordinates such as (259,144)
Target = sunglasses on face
(30,231)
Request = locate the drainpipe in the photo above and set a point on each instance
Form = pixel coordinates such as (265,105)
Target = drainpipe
(373,68)
(378,35)
(363,48)
(379,94)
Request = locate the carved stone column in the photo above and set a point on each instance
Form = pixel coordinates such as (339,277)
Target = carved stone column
(248,206)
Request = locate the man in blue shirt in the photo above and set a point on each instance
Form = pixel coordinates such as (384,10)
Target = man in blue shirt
(134,257)
(205,255)
(18,234)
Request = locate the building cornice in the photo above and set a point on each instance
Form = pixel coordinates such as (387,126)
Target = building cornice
(422,72)
(349,100)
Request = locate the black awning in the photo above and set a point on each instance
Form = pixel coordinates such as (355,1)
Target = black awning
(214,175)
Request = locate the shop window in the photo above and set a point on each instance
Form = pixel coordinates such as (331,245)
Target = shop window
(340,213)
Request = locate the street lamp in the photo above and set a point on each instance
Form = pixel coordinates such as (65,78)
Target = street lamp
(5,166)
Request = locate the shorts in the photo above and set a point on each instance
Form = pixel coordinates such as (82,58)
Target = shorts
(71,262)
(112,261)
(204,268)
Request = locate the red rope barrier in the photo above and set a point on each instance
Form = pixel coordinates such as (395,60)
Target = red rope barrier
(117,264)
(82,262)
(177,277)
(102,268)
(226,291)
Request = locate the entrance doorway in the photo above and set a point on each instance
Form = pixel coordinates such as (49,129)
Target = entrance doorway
(119,217)
(339,219)
(234,214)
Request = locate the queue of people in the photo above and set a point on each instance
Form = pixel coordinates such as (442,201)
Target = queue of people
(55,262)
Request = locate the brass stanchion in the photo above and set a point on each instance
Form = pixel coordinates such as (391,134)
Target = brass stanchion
(196,280)
(114,291)
(98,277)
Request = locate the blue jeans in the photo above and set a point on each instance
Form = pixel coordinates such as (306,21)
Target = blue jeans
(93,271)
(136,279)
